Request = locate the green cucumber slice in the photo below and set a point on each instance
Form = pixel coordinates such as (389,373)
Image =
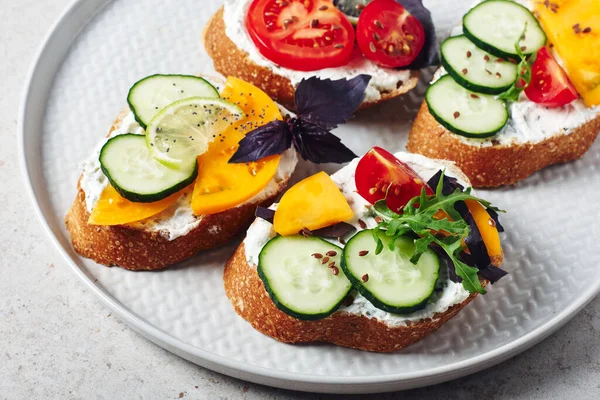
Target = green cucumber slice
(300,284)
(496,25)
(136,175)
(183,130)
(464,112)
(150,95)
(475,69)
(388,279)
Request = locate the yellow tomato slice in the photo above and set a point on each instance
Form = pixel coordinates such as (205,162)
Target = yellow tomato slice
(113,209)
(573,27)
(314,203)
(220,185)
(487,228)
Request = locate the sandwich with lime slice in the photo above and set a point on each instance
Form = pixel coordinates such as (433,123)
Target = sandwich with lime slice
(179,172)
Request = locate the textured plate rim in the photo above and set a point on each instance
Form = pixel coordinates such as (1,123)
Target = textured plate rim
(238,369)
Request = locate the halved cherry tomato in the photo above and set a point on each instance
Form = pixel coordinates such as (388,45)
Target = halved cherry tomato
(549,84)
(388,34)
(304,35)
(380,175)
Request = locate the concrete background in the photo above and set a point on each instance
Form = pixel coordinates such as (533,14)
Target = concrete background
(57,341)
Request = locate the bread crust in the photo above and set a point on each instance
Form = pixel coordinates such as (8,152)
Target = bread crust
(139,249)
(250,300)
(229,60)
(498,165)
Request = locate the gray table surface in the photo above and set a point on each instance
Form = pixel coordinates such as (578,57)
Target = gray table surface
(58,341)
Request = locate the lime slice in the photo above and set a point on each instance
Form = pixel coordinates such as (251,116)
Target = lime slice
(183,130)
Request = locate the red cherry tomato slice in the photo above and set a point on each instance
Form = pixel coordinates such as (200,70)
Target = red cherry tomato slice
(549,84)
(380,175)
(304,35)
(388,34)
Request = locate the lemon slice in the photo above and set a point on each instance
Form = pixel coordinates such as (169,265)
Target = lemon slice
(183,130)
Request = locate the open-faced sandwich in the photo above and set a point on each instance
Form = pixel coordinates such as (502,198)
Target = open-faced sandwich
(375,257)
(275,44)
(519,90)
(184,167)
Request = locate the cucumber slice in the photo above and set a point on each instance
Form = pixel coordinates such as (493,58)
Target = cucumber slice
(496,25)
(388,279)
(300,284)
(475,69)
(183,130)
(463,112)
(150,95)
(131,170)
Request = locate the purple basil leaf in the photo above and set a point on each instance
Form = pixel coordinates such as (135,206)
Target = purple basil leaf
(267,140)
(429,54)
(265,213)
(318,145)
(329,103)
(474,241)
(492,274)
(449,185)
(336,231)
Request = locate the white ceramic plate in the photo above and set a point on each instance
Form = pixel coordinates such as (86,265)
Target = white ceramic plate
(79,83)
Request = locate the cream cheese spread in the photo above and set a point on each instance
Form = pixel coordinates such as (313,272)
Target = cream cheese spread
(448,294)
(179,219)
(533,123)
(382,79)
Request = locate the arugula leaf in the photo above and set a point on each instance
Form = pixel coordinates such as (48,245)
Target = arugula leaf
(524,69)
(421,216)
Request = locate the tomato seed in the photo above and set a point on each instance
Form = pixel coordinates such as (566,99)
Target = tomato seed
(372,47)
(378,24)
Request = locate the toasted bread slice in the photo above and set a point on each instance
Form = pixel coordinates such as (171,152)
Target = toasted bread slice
(229,60)
(251,301)
(136,248)
(498,165)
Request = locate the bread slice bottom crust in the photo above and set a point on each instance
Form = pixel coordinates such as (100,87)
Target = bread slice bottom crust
(498,165)
(229,60)
(250,300)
